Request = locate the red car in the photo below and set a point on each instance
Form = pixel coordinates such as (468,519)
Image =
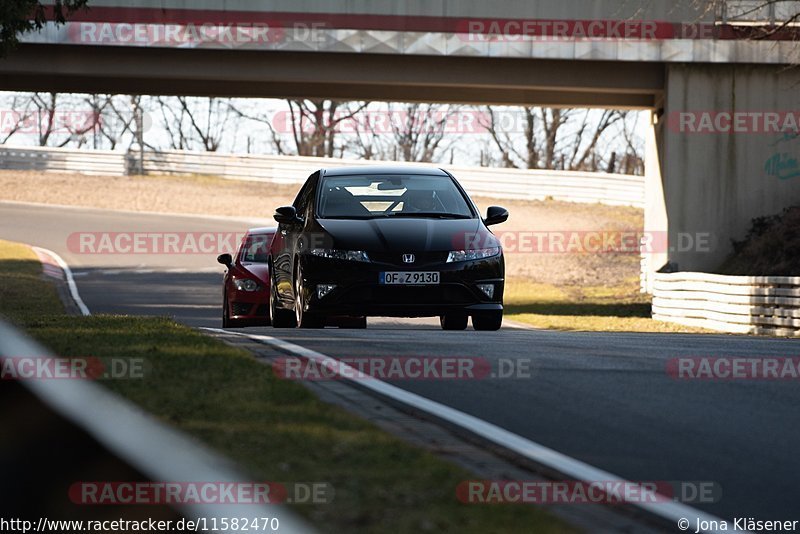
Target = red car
(246,282)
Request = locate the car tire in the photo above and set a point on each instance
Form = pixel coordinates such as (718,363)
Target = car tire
(226,322)
(454,321)
(304,319)
(488,321)
(278,317)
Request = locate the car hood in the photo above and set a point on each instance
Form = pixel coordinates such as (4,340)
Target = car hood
(258,270)
(406,234)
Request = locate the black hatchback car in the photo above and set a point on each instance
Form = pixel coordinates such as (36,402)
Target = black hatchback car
(385,241)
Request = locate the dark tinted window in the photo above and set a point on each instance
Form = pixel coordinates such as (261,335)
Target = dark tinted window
(305,196)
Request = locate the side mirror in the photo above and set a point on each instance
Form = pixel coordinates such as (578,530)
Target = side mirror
(225,259)
(495,215)
(286,215)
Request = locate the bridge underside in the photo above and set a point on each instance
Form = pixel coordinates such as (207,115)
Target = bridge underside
(475,80)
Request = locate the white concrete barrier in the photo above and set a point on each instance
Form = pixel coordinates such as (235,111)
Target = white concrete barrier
(501,183)
(736,304)
(106,162)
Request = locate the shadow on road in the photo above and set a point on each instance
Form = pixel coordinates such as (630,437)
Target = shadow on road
(625,309)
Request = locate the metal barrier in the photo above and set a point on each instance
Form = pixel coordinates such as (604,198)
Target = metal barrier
(501,183)
(160,453)
(736,304)
(104,162)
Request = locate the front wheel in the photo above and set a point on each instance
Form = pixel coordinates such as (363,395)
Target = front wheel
(226,321)
(278,317)
(488,321)
(304,319)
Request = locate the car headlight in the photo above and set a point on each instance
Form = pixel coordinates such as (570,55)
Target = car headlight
(350,255)
(246,284)
(473,254)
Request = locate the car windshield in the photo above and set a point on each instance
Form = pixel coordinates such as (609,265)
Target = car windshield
(391,196)
(255,248)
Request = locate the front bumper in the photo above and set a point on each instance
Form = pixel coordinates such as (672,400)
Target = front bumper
(358,292)
(248,305)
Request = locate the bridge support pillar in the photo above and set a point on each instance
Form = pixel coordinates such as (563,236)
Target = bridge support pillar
(729,152)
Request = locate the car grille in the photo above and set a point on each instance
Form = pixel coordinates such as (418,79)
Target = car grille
(421,259)
(242,308)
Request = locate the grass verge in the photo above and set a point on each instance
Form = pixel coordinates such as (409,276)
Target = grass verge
(275,429)
(600,308)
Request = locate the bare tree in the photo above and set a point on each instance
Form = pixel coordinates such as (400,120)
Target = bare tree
(17,117)
(45,106)
(116,117)
(551,138)
(504,140)
(422,131)
(276,138)
(313,127)
(190,122)
(315,123)
(368,142)
(591,151)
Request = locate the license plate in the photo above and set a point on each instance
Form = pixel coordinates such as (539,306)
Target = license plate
(410,278)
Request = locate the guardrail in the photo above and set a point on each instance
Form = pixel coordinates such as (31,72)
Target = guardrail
(736,304)
(570,186)
(157,451)
(63,160)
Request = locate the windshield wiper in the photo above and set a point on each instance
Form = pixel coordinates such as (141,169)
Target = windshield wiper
(436,214)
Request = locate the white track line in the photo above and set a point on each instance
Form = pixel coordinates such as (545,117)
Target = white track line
(566,465)
(73,288)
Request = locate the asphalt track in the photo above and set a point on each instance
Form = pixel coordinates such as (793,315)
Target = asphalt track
(603,398)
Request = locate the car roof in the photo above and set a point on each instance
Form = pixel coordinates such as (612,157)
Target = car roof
(262,230)
(383,169)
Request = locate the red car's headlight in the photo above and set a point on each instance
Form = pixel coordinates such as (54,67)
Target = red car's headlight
(246,284)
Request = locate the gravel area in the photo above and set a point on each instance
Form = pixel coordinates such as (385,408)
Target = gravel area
(216,196)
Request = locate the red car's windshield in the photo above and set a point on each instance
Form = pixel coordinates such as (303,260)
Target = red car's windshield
(255,248)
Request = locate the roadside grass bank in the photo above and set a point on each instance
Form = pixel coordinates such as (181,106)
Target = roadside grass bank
(276,429)
(586,308)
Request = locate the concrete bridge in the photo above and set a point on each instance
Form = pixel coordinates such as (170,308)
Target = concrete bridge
(723,145)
